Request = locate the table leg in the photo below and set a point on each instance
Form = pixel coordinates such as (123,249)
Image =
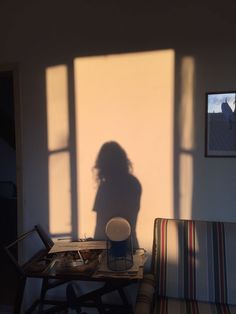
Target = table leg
(123,296)
(99,305)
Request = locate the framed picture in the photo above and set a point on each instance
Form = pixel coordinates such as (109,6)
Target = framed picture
(220,138)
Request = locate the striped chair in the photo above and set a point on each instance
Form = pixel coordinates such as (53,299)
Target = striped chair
(193,269)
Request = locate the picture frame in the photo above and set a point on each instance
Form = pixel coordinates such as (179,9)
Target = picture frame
(220,124)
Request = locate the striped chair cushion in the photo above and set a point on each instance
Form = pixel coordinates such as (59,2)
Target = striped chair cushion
(195,260)
(178,306)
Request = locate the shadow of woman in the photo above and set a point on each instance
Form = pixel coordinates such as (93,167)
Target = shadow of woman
(119,192)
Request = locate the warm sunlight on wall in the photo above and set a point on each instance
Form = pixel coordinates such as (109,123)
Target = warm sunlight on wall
(57,107)
(58,154)
(127,98)
(186,129)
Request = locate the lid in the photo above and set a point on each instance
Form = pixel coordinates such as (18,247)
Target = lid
(118,229)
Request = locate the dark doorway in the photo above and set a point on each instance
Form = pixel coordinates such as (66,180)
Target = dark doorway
(8,190)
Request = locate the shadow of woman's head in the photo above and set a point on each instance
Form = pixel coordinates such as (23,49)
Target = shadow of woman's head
(112,162)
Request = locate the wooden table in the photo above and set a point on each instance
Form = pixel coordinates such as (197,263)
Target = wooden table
(43,266)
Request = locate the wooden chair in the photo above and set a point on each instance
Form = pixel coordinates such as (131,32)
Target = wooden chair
(33,267)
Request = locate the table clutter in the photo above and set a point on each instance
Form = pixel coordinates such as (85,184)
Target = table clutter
(90,257)
(62,262)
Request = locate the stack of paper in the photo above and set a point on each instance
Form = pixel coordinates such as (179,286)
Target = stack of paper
(136,271)
(62,246)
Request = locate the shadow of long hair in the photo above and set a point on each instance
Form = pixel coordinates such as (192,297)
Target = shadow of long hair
(112,162)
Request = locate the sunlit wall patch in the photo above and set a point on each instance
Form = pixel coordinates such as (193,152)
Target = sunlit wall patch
(127,98)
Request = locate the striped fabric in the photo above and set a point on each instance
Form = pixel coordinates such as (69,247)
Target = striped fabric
(219,262)
(189,260)
(195,260)
(178,306)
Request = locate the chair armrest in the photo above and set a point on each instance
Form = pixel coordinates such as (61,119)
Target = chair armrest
(145,294)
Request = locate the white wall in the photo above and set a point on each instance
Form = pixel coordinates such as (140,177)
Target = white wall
(177,180)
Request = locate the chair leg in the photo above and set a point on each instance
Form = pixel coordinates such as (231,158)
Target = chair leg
(42,294)
(20,295)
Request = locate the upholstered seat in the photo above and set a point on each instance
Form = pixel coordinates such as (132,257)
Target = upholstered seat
(193,268)
(181,306)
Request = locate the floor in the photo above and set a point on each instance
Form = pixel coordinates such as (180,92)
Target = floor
(112,297)
(6,309)
(9,310)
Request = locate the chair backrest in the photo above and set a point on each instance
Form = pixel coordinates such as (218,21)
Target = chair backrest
(36,241)
(44,237)
(195,260)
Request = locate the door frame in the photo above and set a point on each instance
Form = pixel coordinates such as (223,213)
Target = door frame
(18,138)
